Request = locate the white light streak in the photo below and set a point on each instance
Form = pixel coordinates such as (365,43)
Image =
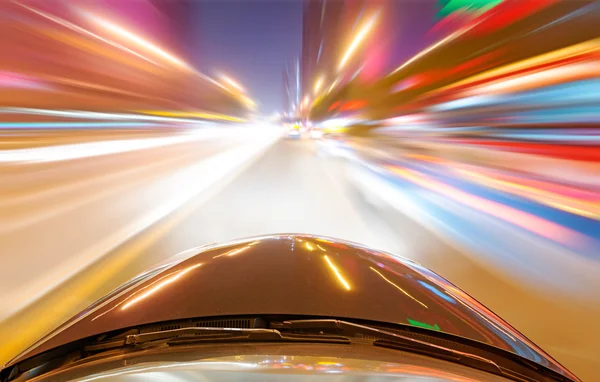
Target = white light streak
(122,32)
(360,36)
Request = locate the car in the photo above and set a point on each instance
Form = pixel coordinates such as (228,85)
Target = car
(283,307)
(293,134)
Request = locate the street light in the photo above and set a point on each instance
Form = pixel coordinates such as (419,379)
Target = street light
(360,36)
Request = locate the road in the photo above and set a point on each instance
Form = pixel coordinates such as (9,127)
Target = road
(77,228)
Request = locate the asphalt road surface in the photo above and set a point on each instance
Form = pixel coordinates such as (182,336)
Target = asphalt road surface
(73,230)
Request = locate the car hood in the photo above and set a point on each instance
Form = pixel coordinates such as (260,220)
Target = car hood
(296,275)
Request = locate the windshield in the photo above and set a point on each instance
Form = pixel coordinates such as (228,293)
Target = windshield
(266,362)
(459,134)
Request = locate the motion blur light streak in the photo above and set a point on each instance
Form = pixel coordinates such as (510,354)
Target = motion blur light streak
(337,273)
(527,221)
(397,287)
(202,115)
(586,47)
(429,49)
(233,83)
(84,31)
(460,134)
(159,286)
(358,39)
(90,149)
(589,209)
(319,84)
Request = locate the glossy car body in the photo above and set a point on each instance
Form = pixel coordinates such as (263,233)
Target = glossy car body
(297,275)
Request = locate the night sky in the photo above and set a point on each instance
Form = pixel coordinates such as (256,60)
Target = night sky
(249,40)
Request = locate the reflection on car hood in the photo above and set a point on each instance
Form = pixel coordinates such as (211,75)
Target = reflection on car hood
(297,275)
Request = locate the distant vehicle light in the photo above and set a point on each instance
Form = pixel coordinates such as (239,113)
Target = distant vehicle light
(316,134)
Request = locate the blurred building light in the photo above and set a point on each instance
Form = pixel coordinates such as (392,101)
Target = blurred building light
(137,40)
(352,105)
(569,52)
(217,83)
(249,102)
(467,102)
(338,123)
(475,7)
(360,36)
(233,83)
(405,120)
(319,84)
(431,48)
(76,28)
(533,223)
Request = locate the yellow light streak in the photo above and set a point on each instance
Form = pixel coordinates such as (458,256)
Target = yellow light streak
(309,246)
(182,114)
(159,286)
(337,273)
(249,102)
(559,54)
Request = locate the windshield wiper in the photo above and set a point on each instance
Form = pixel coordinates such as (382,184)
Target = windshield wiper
(289,333)
(528,370)
(477,355)
(386,339)
(202,334)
